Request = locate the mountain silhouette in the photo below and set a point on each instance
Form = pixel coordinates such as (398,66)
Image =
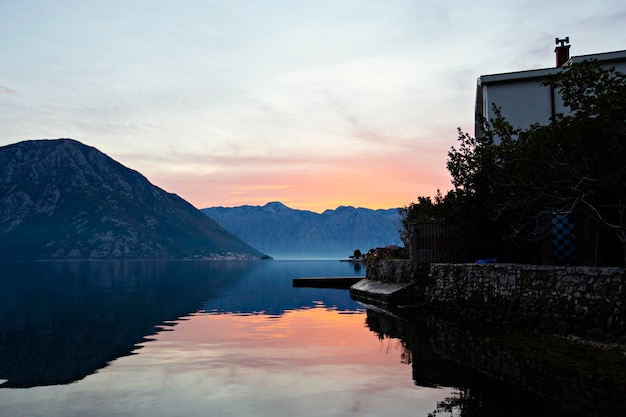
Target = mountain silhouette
(289,233)
(61,199)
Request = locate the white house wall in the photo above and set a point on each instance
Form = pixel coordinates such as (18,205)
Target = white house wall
(521,103)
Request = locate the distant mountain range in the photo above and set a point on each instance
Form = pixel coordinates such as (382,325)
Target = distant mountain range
(60,199)
(283,232)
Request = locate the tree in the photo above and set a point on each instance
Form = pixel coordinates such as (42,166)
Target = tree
(573,165)
(470,240)
(472,167)
(420,212)
(426,210)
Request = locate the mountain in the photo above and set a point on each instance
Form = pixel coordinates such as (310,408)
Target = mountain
(60,199)
(288,233)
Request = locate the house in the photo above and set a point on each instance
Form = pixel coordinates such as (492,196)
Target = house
(522,98)
(523,101)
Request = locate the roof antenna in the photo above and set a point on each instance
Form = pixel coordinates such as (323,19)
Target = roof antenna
(562,41)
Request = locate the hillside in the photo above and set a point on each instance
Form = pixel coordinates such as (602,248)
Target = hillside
(288,233)
(60,199)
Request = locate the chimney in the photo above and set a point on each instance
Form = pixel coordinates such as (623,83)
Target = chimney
(562,51)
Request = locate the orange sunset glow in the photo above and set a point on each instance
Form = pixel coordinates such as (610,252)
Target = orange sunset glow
(373,181)
(305,334)
(315,360)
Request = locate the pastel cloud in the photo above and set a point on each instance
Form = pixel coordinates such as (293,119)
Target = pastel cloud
(315,105)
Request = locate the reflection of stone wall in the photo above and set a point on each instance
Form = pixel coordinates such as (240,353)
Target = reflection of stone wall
(584,301)
(508,372)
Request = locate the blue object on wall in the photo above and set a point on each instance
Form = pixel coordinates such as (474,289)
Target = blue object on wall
(563,238)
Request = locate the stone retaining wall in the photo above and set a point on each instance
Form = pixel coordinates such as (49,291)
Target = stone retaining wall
(583,301)
(389,270)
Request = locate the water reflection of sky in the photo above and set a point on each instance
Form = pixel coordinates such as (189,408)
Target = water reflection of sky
(308,362)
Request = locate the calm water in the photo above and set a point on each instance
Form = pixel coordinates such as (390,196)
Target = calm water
(235,339)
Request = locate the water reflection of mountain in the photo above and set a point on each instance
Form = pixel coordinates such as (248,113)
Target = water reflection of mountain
(61,321)
(270,289)
(506,372)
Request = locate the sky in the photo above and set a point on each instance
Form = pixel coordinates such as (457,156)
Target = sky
(316,104)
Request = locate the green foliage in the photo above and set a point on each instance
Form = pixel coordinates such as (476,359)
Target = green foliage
(573,165)
(576,163)
(427,210)
(471,166)
(400,253)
